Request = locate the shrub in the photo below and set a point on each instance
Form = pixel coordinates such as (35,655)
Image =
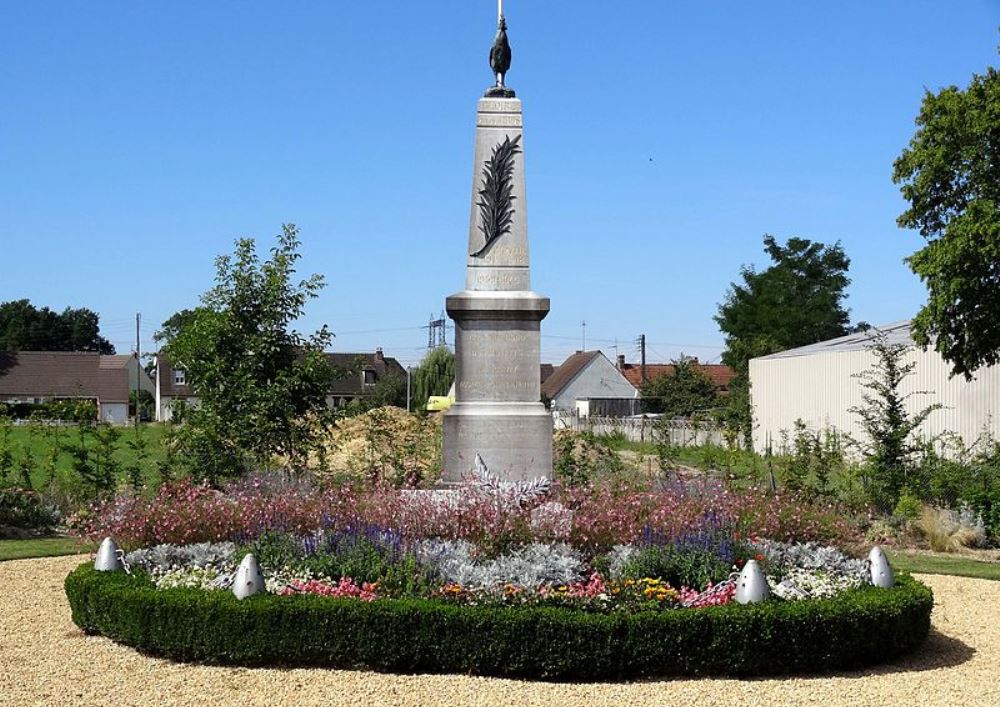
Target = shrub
(948,531)
(856,629)
(579,458)
(986,504)
(908,508)
(25,510)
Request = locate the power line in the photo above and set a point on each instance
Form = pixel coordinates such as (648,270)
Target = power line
(381,331)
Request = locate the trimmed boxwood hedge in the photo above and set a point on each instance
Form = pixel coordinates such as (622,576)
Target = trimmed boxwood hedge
(856,629)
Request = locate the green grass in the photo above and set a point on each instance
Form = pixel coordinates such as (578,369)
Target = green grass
(42,440)
(41,547)
(737,463)
(936,564)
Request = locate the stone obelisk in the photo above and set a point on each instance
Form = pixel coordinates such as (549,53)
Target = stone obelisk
(497,411)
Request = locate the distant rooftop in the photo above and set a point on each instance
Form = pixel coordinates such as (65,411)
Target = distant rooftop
(896,333)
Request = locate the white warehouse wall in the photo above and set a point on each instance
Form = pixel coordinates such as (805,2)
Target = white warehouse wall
(819,388)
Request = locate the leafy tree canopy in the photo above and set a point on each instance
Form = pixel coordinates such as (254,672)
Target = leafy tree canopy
(950,174)
(433,376)
(797,300)
(24,327)
(169,330)
(261,386)
(686,390)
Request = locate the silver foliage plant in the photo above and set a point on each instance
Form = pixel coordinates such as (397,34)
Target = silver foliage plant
(518,493)
(618,558)
(160,559)
(785,557)
(529,566)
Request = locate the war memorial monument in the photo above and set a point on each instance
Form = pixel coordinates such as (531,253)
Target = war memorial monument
(497,412)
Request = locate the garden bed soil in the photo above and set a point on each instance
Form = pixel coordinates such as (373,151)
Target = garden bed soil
(46,660)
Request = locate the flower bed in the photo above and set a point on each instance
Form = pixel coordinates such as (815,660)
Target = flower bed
(590,518)
(692,571)
(607,581)
(856,628)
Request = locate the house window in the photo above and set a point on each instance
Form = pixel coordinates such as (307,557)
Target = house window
(369,377)
(180,376)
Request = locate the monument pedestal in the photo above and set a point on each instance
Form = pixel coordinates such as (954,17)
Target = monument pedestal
(497,413)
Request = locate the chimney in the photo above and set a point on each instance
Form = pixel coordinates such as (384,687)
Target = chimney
(621,362)
(378,354)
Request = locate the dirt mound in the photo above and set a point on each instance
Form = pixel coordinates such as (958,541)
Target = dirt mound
(384,444)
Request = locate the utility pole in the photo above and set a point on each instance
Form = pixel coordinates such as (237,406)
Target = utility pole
(583,325)
(642,357)
(409,374)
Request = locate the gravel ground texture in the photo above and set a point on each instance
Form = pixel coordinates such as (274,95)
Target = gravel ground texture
(46,660)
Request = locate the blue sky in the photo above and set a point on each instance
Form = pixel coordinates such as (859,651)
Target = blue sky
(663,139)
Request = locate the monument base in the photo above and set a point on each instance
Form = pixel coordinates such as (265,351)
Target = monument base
(514,440)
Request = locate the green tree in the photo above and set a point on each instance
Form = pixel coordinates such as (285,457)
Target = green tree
(389,390)
(24,327)
(92,456)
(890,448)
(6,449)
(797,300)
(433,376)
(104,466)
(173,326)
(687,389)
(261,386)
(950,174)
(139,446)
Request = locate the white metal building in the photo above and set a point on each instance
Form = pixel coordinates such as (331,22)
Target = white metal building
(817,384)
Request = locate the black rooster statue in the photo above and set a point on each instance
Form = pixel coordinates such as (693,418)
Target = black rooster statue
(500,62)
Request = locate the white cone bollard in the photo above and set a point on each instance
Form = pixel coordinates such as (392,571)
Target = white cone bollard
(752,587)
(249,579)
(881,570)
(108,557)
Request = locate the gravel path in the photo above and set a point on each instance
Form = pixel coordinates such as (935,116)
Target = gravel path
(46,660)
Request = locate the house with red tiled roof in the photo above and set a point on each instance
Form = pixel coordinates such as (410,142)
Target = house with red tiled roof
(36,377)
(637,374)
